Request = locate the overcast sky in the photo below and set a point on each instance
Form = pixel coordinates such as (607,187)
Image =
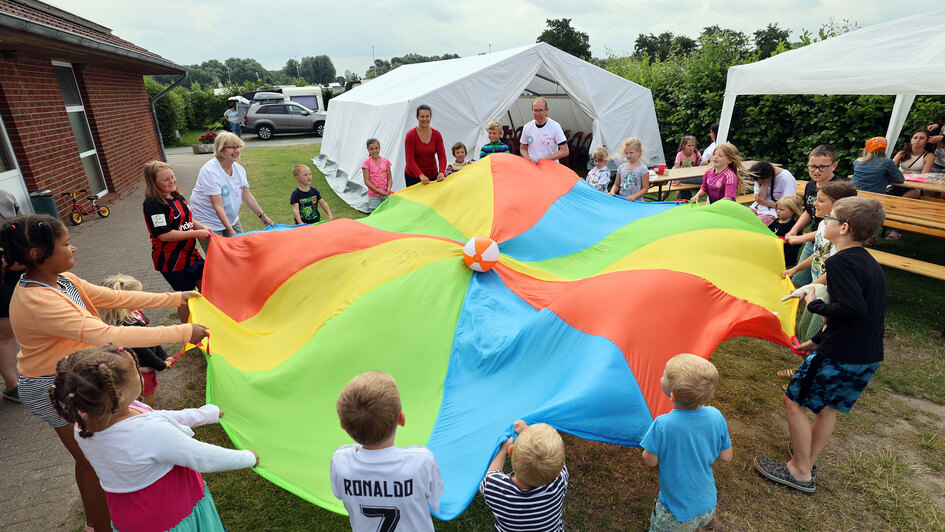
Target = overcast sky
(192,31)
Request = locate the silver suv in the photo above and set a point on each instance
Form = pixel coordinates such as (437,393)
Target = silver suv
(267,119)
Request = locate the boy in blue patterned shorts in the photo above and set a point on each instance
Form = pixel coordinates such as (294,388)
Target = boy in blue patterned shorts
(684,444)
(844,356)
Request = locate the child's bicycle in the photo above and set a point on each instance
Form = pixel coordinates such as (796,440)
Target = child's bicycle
(78,210)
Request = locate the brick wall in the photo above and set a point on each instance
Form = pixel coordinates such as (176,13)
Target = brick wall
(117,107)
(34,114)
(35,117)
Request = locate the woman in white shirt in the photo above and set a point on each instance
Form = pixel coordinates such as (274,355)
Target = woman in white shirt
(221,188)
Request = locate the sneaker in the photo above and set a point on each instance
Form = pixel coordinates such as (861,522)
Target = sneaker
(13,394)
(777,471)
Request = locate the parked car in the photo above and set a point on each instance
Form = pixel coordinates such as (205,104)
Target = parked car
(268,119)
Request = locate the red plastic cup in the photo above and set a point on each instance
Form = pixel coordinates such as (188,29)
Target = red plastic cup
(660,169)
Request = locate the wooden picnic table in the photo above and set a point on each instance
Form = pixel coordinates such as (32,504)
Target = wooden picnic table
(930,185)
(672,174)
(906,214)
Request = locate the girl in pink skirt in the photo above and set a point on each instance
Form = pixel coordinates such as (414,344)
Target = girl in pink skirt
(147,461)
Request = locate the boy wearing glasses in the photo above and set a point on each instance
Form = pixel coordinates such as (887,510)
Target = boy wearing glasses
(844,356)
(820,166)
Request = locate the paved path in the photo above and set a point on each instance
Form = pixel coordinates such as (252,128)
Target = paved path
(37,485)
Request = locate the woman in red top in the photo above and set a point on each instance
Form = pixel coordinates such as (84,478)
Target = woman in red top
(426,156)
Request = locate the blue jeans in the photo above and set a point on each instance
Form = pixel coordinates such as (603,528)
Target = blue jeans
(237,129)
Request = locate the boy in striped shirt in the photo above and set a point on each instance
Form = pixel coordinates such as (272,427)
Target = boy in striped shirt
(530,498)
(494,128)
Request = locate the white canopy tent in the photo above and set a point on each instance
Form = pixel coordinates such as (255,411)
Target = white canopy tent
(905,57)
(467,93)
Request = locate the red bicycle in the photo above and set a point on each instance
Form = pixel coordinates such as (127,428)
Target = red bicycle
(78,211)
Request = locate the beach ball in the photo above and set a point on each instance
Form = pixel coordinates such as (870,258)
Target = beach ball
(480,254)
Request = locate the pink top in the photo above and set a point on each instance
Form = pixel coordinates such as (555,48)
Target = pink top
(694,159)
(377,174)
(428,159)
(720,185)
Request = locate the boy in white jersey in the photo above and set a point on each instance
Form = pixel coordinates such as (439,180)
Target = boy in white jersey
(532,496)
(381,486)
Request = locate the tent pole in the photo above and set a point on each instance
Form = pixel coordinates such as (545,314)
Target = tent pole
(900,111)
(725,121)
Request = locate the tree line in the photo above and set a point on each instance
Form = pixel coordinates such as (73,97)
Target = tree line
(310,70)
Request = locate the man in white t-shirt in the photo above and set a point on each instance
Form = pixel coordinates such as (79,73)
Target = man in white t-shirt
(543,138)
(707,153)
(383,487)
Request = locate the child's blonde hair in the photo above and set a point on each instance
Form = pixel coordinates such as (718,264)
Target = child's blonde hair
(600,154)
(114,316)
(686,140)
(791,203)
(151,169)
(494,124)
(369,407)
(633,143)
(538,455)
(297,170)
(692,379)
(729,150)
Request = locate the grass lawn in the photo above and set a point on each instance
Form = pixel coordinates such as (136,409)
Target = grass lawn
(884,468)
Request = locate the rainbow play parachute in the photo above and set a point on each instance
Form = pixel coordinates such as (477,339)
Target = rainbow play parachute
(572,327)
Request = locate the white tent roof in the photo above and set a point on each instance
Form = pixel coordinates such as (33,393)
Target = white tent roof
(467,93)
(905,57)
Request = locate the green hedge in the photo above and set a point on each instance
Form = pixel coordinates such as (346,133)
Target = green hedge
(688,92)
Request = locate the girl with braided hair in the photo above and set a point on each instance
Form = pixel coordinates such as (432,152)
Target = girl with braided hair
(54,313)
(147,460)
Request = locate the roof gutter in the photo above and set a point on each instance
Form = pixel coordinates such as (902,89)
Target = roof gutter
(152,101)
(20,24)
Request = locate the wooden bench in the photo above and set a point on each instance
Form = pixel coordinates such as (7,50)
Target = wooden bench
(910,265)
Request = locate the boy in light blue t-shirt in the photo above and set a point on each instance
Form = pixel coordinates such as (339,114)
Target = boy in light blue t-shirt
(685,443)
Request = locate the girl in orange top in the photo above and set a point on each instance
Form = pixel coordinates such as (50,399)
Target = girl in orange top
(54,313)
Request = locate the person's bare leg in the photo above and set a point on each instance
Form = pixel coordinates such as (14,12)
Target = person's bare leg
(824,424)
(93,496)
(7,354)
(799,427)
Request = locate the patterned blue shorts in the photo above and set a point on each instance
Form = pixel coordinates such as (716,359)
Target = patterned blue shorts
(662,520)
(821,382)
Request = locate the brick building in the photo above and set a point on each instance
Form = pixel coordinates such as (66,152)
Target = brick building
(74,113)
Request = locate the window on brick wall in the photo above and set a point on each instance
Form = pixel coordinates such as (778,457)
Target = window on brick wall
(75,110)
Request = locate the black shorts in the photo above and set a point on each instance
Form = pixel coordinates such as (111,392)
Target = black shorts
(10,279)
(186,279)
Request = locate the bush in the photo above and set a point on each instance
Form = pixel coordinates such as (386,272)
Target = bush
(688,93)
(170,111)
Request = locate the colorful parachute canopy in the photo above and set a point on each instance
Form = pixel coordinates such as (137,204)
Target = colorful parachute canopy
(572,327)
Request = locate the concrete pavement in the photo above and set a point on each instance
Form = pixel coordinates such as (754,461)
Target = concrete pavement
(37,483)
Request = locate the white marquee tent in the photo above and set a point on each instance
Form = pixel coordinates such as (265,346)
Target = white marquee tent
(467,93)
(905,57)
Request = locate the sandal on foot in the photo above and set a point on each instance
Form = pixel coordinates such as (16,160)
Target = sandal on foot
(777,471)
(813,468)
(786,373)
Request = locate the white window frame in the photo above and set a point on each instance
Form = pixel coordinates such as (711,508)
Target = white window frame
(88,127)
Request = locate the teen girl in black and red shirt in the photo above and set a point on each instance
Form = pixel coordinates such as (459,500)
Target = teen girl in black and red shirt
(174,232)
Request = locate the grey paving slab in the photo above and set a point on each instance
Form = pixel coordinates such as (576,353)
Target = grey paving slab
(37,488)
